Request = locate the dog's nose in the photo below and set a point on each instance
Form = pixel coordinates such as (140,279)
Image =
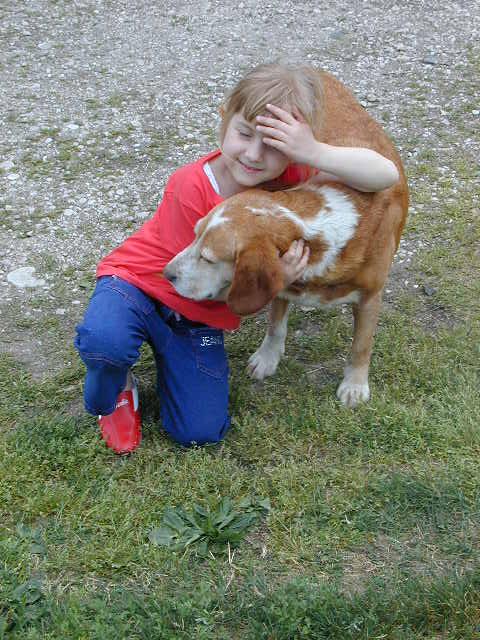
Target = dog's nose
(169,275)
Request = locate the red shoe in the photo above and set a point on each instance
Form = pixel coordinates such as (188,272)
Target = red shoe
(122,429)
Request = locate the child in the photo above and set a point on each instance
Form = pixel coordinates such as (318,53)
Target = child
(267,137)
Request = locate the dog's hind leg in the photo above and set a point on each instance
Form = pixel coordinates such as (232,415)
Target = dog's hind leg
(354,387)
(265,360)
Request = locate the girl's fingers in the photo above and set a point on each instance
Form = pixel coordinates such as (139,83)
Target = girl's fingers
(305,257)
(271,122)
(297,251)
(297,115)
(281,114)
(292,251)
(273,133)
(301,266)
(272,142)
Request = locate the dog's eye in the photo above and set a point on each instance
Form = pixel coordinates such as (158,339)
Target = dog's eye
(206,260)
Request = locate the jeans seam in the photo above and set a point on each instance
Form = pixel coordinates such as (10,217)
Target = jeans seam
(145,308)
(101,358)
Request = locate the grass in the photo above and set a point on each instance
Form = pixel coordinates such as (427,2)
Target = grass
(373,530)
(374,520)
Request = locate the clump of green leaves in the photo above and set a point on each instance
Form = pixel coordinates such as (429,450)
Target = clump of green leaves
(23,607)
(225,523)
(32,536)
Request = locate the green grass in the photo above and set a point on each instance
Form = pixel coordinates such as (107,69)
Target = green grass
(373,530)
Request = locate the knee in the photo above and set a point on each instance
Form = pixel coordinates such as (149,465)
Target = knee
(198,434)
(99,347)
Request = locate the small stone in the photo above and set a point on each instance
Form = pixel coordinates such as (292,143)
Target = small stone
(69,132)
(24,277)
(430,60)
(6,165)
(429,291)
(60,312)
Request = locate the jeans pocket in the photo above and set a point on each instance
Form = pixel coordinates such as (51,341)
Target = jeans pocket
(209,350)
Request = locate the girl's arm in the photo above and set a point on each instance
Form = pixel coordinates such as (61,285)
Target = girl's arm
(357,167)
(360,168)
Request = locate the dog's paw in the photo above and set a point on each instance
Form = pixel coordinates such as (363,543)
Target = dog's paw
(350,393)
(263,363)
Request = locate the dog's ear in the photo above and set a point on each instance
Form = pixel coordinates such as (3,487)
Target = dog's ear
(257,279)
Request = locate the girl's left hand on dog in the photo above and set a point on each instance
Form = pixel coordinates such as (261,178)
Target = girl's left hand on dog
(294,261)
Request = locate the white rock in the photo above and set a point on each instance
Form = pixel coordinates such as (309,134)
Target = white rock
(7,165)
(24,277)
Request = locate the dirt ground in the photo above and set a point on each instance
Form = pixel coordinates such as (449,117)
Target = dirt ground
(102,100)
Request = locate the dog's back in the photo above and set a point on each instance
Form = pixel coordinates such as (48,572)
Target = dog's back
(346,123)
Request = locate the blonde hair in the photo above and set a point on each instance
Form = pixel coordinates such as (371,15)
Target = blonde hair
(293,88)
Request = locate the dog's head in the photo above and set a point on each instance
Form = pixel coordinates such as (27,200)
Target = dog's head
(235,256)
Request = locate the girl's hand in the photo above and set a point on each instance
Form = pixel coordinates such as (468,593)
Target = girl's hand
(294,261)
(290,134)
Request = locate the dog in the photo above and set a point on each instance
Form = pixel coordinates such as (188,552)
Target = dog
(352,236)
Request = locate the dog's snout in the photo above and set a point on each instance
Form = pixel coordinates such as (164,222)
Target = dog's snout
(169,275)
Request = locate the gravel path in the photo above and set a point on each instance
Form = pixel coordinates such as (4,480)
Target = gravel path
(102,100)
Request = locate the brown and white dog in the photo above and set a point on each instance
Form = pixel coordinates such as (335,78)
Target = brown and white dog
(352,237)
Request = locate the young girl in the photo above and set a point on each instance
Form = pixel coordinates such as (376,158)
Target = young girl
(269,138)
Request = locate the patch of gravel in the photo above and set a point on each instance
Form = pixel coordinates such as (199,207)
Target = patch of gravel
(102,100)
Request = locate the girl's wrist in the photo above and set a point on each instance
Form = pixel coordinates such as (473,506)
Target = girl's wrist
(321,157)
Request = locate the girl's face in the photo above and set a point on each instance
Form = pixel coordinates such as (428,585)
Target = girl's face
(248,159)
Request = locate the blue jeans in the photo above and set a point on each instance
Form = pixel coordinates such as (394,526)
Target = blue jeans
(192,366)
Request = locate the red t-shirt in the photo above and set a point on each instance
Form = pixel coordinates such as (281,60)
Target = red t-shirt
(188,196)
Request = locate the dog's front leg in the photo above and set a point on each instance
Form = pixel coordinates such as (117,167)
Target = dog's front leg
(354,387)
(265,360)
